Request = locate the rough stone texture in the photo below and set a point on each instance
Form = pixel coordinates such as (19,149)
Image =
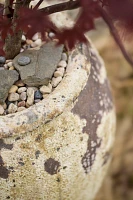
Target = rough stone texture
(42,66)
(60,132)
(7,79)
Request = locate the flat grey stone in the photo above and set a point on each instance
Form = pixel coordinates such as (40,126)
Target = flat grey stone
(7,79)
(23,60)
(42,66)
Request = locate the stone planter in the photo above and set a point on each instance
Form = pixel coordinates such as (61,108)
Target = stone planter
(60,148)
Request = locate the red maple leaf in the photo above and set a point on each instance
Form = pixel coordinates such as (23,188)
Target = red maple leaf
(32,21)
(5,27)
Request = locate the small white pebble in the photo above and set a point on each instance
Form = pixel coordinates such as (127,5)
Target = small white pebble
(51,35)
(34,88)
(21,50)
(57,74)
(56,81)
(33,45)
(10,64)
(12,108)
(23,38)
(1,110)
(61,69)
(50,86)
(30,94)
(23,96)
(21,89)
(35,37)
(38,42)
(14,88)
(64,56)
(62,63)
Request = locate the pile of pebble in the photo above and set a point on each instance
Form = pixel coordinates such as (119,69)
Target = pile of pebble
(21,96)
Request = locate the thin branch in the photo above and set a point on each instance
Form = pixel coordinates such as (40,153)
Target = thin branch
(115,34)
(70,5)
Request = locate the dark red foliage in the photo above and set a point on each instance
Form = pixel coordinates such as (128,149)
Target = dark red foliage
(32,20)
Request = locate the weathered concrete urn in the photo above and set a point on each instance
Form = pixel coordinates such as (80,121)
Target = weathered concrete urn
(60,148)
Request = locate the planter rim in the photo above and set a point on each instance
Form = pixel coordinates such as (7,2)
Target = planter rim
(63,97)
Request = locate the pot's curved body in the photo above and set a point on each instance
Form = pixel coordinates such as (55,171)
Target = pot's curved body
(59,149)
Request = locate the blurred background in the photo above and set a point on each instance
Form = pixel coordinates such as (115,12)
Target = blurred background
(118,184)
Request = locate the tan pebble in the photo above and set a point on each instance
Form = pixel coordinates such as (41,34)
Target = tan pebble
(1,110)
(12,108)
(21,104)
(62,63)
(56,81)
(13,96)
(57,74)
(19,83)
(4,106)
(14,88)
(45,90)
(11,68)
(21,109)
(29,42)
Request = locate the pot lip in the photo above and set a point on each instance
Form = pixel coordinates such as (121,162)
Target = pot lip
(63,97)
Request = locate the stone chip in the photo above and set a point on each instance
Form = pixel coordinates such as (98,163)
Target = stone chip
(42,66)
